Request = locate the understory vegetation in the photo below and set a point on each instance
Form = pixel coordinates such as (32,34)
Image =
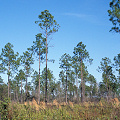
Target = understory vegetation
(101,110)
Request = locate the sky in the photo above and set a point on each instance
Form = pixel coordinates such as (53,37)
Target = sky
(79,20)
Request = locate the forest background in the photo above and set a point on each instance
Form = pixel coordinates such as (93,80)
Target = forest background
(85,21)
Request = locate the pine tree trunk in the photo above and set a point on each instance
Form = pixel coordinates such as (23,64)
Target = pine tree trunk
(9,80)
(17,93)
(14,95)
(66,88)
(8,87)
(46,71)
(77,86)
(39,80)
(26,83)
(107,86)
(82,85)
(21,90)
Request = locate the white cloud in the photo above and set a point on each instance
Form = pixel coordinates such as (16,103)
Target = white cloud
(77,15)
(89,18)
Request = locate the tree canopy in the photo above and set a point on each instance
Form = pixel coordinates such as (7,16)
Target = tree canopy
(114,14)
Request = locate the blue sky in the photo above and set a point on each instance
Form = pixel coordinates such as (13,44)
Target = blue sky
(80,20)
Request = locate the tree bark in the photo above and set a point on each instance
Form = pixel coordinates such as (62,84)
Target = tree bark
(39,80)
(8,87)
(77,86)
(17,93)
(21,90)
(82,86)
(46,71)
(9,80)
(26,83)
(66,88)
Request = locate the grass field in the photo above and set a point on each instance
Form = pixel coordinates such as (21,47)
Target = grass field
(55,111)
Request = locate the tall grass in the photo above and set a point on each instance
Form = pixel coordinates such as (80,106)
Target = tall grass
(55,111)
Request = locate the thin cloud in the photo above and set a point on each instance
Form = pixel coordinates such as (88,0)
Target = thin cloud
(89,18)
(77,15)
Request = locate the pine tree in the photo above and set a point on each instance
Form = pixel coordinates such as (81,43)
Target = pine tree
(10,62)
(82,55)
(48,25)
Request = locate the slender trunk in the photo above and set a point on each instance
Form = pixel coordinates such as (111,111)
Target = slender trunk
(107,84)
(26,83)
(66,88)
(48,91)
(10,92)
(8,87)
(77,86)
(109,94)
(9,80)
(70,95)
(16,93)
(46,71)
(73,95)
(44,93)
(21,90)
(59,97)
(82,85)
(39,80)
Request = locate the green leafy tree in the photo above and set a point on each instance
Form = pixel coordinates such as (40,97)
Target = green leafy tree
(14,88)
(9,63)
(58,91)
(102,89)
(71,86)
(51,83)
(27,60)
(48,25)
(117,63)
(3,91)
(20,78)
(65,64)
(82,55)
(107,75)
(62,80)
(114,14)
(1,80)
(93,85)
(39,49)
(76,67)
(117,66)
(35,81)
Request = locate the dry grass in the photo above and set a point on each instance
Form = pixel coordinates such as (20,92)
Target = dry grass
(34,104)
(115,102)
(71,104)
(88,110)
(55,102)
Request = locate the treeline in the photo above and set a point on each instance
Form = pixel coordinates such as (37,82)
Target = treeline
(75,82)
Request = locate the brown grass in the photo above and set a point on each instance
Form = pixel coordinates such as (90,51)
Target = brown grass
(34,104)
(71,104)
(115,102)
